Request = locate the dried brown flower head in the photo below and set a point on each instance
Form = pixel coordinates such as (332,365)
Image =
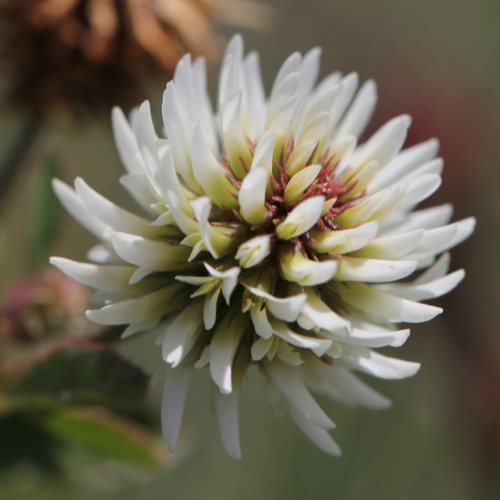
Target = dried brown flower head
(42,305)
(87,55)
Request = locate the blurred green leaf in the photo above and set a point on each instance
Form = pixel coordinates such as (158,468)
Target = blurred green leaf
(89,374)
(24,441)
(46,212)
(107,434)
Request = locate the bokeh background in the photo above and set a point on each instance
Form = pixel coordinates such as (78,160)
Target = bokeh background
(434,59)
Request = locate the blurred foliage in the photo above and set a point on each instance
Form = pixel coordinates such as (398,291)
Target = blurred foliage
(90,374)
(47,212)
(85,395)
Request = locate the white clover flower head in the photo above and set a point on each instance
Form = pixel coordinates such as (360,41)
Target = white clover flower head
(269,237)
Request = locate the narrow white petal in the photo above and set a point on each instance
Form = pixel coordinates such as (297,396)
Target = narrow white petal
(252,196)
(391,247)
(260,348)
(375,339)
(293,389)
(297,268)
(380,366)
(428,218)
(223,348)
(102,277)
(210,309)
(150,254)
(126,143)
(229,278)
(405,162)
(263,155)
(112,215)
(317,345)
(226,406)
(385,143)
(373,270)
(344,240)
(360,111)
(286,308)
(342,385)
(429,290)
(175,389)
(318,435)
(253,251)
(209,172)
(260,322)
(142,125)
(302,218)
(299,183)
(320,315)
(385,306)
(143,309)
(74,205)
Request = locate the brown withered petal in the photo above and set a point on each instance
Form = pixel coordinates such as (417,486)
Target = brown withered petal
(74,56)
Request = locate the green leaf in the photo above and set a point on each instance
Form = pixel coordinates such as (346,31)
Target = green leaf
(109,435)
(46,212)
(24,441)
(89,374)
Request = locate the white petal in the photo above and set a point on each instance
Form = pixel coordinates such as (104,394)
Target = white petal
(253,251)
(142,125)
(150,254)
(360,111)
(294,390)
(150,307)
(320,315)
(316,434)
(385,306)
(302,218)
(255,105)
(299,183)
(385,143)
(226,406)
(344,240)
(74,205)
(209,172)
(429,290)
(252,196)
(317,345)
(228,277)
(381,366)
(126,143)
(375,339)
(112,215)
(223,347)
(373,270)
(178,136)
(260,348)
(427,218)
(391,247)
(106,278)
(263,155)
(342,385)
(286,308)
(405,162)
(174,398)
(260,322)
(210,309)
(299,269)
(182,333)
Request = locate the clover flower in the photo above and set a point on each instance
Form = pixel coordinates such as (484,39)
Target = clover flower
(269,238)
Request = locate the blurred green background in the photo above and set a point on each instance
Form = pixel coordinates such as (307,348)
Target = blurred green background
(437,60)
